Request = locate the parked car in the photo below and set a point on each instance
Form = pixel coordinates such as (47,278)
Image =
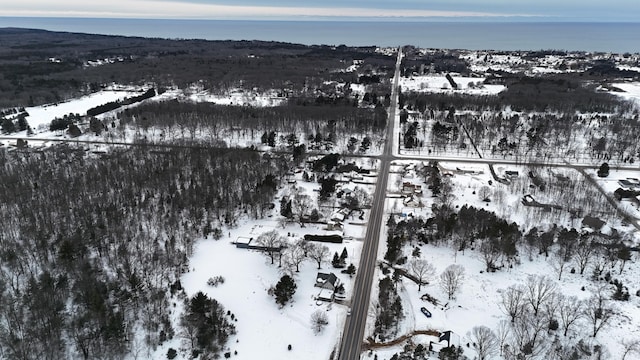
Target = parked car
(426,312)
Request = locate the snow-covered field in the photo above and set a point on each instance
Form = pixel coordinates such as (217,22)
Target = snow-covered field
(40,116)
(440,84)
(631,91)
(238,97)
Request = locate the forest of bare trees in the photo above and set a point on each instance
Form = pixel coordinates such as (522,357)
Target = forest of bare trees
(533,119)
(92,248)
(211,121)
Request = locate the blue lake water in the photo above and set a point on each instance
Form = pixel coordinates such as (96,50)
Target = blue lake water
(607,37)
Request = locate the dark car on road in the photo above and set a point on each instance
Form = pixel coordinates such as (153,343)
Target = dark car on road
(426,312)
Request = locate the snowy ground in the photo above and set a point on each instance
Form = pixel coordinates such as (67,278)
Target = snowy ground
(439,84)
(40,116)
(263,329)
(477,302)
(238,97)
(631,91)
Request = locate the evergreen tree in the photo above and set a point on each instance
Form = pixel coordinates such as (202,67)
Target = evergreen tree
(285,207)
(22,123)
(285,288)
(344,255)
(271,139)
(336,262)
(351,269)
(365,144)
(8,126)
(451,353)
(603,171)
(206,318)
(327,186)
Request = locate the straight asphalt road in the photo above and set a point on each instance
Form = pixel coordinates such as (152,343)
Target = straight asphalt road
(355,324)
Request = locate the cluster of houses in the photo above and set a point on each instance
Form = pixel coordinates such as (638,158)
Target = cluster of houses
(412,194)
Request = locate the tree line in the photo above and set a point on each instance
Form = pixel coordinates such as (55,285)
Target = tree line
(212,120)
(30,76)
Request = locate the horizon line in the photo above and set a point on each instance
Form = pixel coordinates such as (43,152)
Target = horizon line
(475,19)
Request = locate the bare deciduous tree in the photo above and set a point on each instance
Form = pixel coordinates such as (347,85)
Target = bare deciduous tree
(305,245)
(597,312)
(583,254)
(631,346)
(301,205)
(558,262)
(484,193)
(446,192)
(451,280)
(272,243)
(527,331)
(484,341)
(294,256)
(550,307)
(539,289)
(319,320)
(489,254)
(570,310)
(422,270)
(513,301)
(502,333)
(598,263)
(319,253)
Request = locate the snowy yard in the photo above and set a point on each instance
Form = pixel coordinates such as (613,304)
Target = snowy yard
(264,330)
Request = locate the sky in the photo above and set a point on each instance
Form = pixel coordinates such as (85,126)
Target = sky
(515,10)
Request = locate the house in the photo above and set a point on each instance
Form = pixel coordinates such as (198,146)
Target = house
(327,281)
(338,216)
(409,188)
(334,225)
(325,295)
(510,174)
(629,183)
(412,201)
(243,242)
(625,184)
(449,336)
(246,243)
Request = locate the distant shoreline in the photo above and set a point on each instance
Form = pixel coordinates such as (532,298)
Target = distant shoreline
(616,37)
